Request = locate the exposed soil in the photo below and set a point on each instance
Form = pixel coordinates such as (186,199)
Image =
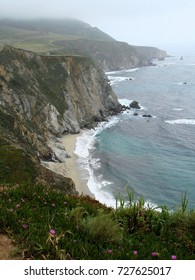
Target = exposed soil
(7,249)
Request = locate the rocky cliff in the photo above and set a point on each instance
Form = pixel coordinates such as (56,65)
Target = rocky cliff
(108,55)
(44,97)
(74,37)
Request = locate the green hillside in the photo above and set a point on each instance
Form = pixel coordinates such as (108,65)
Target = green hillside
(73,37)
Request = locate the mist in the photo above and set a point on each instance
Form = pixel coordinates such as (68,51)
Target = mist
(164,24)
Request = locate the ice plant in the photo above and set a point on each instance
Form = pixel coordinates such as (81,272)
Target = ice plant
(109,251)
(155,254)
(52,231)
(173,257)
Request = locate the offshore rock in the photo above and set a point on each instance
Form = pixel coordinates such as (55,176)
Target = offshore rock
(135,105)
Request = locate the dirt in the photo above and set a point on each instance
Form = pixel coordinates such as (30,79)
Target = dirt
(7,249)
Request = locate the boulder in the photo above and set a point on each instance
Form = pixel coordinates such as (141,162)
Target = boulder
(134,104)
(147,116)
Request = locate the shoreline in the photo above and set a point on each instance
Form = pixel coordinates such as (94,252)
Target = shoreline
(72,168)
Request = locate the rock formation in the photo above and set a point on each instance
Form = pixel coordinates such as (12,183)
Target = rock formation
(44,97)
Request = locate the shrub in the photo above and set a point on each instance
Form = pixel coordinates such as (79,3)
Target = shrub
(103,228)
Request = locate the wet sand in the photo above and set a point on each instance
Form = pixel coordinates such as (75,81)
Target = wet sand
(72,168)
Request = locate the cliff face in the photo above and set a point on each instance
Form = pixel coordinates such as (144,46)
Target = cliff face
(111,55)
(42,97)
(151,52)
(73,37)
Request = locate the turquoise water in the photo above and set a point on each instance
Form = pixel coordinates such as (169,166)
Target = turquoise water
(154,157)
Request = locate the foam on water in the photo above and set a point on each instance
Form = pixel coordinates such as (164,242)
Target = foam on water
(181,121)
(83,149)
(115,80)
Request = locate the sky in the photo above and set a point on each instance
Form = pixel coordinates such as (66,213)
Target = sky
(166,24)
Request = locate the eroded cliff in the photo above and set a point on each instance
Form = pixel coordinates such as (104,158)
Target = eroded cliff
(43,97)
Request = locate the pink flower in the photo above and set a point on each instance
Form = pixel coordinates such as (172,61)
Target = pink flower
(135,253)
(109,251)
(52,231)
(24,226)
(155,254)
(173,257)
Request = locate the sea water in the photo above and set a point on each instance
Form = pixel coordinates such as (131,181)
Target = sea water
(153,157)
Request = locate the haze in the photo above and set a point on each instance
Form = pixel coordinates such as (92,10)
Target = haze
(166,24)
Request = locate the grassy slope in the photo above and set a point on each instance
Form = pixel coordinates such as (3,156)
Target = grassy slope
(37,41)
(39,36)
(82,228)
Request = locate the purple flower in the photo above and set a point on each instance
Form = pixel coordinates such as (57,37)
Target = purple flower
(173,257)
(109,251)
(52,231)
(155,254)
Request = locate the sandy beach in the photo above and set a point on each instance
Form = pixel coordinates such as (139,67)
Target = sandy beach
(72,169)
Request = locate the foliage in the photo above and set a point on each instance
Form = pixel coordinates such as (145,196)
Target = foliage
(46,224)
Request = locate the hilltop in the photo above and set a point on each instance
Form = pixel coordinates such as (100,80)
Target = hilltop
(74,37)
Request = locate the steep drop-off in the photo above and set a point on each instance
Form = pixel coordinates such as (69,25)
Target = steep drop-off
(44,97)
(74,37)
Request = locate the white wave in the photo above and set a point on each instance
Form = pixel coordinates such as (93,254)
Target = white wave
(114,80)
(131,70)
(178,109)
(125,101)
(114,72)
(181,121)
(184,83)
(84,146)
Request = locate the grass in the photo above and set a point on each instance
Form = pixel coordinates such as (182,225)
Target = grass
(15,166)
(46,224)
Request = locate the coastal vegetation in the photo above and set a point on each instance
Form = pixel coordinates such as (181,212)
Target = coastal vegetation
(74,37)
(45,223)
(41,98)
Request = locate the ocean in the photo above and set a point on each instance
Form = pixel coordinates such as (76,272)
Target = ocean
(154,157)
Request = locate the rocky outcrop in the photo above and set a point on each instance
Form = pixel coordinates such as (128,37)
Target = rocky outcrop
(44,97)
(111,55)
(134,104)
(151,52)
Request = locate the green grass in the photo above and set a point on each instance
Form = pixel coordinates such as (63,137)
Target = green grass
(85,229)
(15,166)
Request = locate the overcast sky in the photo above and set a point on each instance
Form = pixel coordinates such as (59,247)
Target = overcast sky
(166,24)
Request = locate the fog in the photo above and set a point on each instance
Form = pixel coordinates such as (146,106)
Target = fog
(166,24)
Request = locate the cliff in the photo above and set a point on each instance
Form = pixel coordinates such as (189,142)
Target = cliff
(44,97)
(74,37)
(151,52)
(108,55)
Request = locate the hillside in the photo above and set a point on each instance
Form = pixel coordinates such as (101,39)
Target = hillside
(71,37)
(42,98)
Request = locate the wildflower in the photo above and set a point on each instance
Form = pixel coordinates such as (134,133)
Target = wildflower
(25,226)
(109,251)
(155,254)
(52,231)
(135,253)
(17,205)
(65,203)
(173,257)
(53,205)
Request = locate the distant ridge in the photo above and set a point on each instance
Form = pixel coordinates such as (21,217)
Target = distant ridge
(75,37)
(60,26)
